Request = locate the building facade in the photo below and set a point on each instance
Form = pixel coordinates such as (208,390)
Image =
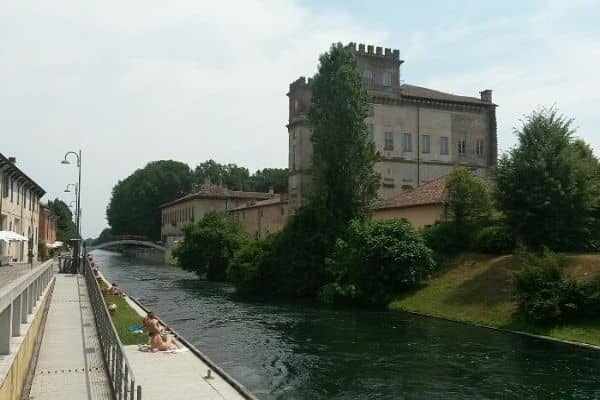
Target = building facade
(47,228)
(419,133)
(192,207)
(259,218)
(19,210)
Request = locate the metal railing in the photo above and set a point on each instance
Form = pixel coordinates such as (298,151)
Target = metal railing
(120,373)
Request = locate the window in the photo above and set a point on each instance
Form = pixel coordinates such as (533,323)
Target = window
(371,111)
(370,130)
(387,78)
(425,144)
(368,78)
(407,142)
(462,146)
(389,141)
(480,147)
(18,194)
(444,145)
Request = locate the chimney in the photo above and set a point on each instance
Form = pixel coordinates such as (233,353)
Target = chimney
(486,95)
(12,160)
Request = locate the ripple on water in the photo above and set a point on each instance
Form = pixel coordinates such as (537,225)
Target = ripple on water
(302,351)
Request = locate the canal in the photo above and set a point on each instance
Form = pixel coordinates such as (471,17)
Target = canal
(305,351)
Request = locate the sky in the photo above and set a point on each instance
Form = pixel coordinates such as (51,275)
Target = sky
(128,82)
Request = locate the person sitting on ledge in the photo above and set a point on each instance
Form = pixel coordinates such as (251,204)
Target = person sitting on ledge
(114,289)
(157,342)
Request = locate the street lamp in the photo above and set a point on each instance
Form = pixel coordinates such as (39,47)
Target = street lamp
(77,201)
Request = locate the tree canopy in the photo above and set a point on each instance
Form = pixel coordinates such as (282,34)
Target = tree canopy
(65,227)
(549,185)
(468,195)
(235,177)
(133,207)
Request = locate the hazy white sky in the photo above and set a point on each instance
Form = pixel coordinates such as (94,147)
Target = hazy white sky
(133,81)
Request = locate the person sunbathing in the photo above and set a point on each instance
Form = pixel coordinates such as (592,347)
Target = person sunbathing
(116,290)
(157,342)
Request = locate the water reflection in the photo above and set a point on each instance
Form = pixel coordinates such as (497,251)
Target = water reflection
(303,351)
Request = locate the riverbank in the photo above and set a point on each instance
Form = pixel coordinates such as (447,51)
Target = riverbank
(478,289)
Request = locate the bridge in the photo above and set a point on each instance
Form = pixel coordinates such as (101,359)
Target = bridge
(127,242)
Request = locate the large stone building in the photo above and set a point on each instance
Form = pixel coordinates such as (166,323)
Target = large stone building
(192,207)
(259,218)
(419,133)
(19,210)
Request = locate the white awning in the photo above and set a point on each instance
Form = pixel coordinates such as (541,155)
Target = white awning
(10,236)
(54,245)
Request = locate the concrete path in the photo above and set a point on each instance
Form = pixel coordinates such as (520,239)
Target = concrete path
(175,376)
(70,364)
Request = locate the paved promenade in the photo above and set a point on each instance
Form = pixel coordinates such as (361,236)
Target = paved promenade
(175,376)
(70,364)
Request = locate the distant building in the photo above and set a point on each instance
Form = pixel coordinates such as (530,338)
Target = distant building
(47,227)
(419,133)
(192,207)
(19,210)
(259,218)
(422,206)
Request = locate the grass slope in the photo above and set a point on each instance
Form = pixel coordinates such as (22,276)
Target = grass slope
(124,317)
(478,288)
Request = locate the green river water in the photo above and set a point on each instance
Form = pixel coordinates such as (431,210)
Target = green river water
(307,351)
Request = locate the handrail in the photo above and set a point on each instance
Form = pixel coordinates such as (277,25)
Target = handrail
(121,375)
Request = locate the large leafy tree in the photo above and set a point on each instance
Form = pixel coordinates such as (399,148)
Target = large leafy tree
(134,205)
(65,227)
(345,181)
(209,245)
(549,185)
(468,196)
(235,177)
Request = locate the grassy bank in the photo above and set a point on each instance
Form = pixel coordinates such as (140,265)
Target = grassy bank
(124,317)
(478,288)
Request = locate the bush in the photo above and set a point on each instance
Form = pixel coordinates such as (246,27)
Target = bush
(544,291)
(450,238)
(252,268)
(590,292)
(376,261)
(495,239)
(209,245)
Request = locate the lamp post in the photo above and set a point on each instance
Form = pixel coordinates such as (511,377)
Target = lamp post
(77,204)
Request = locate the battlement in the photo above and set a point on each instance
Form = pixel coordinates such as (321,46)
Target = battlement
(301,82)
(375,51)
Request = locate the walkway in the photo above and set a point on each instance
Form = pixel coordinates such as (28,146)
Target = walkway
(70,364)
(175,376)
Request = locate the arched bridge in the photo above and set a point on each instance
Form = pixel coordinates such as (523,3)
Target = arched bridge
(127,242)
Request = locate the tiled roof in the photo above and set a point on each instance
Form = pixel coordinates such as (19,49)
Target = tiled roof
(11,168)
(217,192)
(433,192)
(425,93)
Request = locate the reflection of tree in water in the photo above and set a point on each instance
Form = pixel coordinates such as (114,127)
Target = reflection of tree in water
(282,350)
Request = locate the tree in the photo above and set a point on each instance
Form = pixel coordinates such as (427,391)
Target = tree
(134,205)
(345,181)
(376,261)
(235,177)
(65,227)
(549,185)
(209,245)
(270,178)
(468,196)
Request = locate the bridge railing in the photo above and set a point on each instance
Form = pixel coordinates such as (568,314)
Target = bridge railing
(121,375)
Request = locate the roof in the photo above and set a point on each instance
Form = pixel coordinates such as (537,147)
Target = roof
(278,199)
(218,192)
(11,169)
(433,192)
(425,93)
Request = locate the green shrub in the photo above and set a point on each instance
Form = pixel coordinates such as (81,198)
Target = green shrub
(253,269)
(495,239)
(376,261)
(544,291)
(209,245)
(591,297)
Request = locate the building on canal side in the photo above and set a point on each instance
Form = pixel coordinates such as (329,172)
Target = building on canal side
(47,228)
(19,210)
(192,207)
(420,133)
(259,218)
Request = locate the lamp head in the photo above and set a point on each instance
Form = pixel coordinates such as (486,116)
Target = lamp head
(67,190)
(65,162)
